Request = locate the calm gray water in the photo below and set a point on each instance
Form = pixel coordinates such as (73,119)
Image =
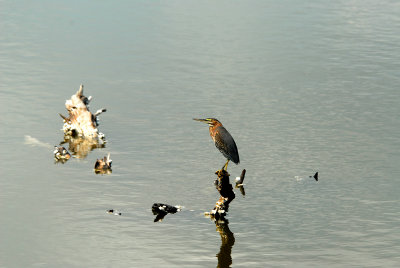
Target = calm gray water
(302,86)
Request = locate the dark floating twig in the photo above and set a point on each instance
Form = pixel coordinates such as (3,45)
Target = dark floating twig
(161,210)
(61,154)
(315,176)
(103,166)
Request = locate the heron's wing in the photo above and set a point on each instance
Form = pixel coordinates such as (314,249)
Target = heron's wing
(226,145)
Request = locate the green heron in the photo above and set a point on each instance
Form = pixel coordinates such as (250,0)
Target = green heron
(223,140)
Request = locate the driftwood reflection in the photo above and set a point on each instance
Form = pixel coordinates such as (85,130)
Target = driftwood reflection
(241,189)
(80,147)
(227,241)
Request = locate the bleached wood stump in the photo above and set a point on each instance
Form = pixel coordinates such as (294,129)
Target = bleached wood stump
(80,126)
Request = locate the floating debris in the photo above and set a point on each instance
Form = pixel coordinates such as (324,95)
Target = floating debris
(61,154)
(299,178)
(114,212)
(315,176)
(161,210)
(103,166)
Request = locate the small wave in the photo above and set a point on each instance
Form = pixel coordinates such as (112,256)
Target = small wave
(35,142)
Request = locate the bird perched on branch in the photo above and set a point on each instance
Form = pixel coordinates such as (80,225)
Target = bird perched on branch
(223,140)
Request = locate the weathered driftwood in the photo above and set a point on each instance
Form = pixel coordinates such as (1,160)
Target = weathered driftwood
(227,195)
(80,126)
(161,210)
(80,122)
(103,166)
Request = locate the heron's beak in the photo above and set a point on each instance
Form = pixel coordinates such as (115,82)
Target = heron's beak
(201,120)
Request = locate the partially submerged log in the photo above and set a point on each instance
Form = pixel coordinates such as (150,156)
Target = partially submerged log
(161,210)
(227,195)
(80,122)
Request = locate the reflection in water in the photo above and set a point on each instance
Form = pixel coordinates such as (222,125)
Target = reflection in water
(80,147)
(103,171)
(227,242)
(241,189)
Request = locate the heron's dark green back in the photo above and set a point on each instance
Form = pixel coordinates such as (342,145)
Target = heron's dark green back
(226,145)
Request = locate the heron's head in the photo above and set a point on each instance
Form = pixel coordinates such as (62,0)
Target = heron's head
(210,121)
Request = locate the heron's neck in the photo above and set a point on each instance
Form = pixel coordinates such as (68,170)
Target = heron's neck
(213,129)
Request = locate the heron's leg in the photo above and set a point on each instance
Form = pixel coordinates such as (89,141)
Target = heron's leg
(226,165)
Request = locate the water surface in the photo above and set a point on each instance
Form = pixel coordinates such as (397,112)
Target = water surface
(302,87)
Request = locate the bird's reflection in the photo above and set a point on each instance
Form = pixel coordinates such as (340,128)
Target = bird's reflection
(227,241)
(80,147)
